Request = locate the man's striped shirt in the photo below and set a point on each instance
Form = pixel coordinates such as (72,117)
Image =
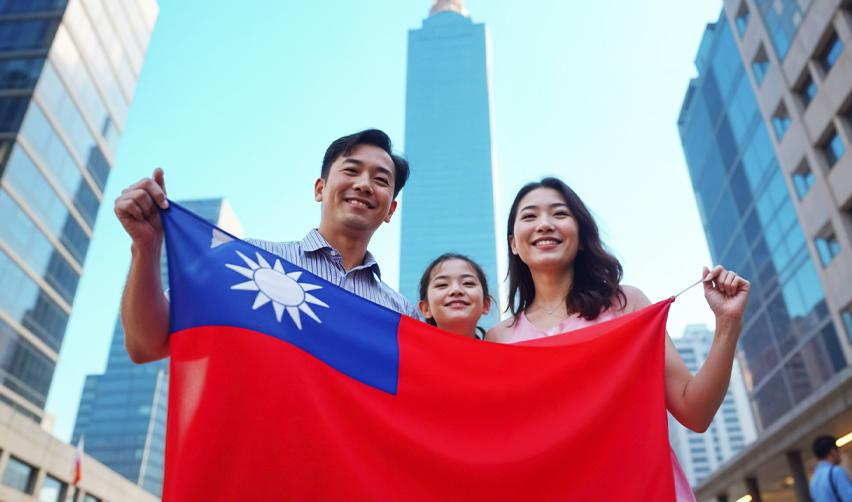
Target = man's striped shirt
(316,255)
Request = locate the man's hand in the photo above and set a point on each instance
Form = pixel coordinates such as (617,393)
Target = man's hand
(137,210)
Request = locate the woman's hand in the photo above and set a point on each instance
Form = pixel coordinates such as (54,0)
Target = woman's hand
(726,293)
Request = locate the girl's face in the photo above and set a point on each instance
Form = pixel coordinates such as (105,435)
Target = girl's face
(545,232)
(454,297)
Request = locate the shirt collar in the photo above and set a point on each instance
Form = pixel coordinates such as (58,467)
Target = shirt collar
(314,242)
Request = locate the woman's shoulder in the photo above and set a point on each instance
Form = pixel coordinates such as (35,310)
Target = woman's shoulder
(500,331)
(635,299)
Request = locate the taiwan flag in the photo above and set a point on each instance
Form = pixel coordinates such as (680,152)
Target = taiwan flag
(286,387)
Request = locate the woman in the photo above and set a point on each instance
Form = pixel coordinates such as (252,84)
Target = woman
(454,294)
(561,278)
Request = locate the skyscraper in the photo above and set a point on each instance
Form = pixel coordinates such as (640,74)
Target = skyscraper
(732,428)
(122,412)
(68,71)
(765,128)
(448,205)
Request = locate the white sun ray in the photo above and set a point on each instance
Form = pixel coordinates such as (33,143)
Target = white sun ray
(274,285)
(252,265)
(219,238)
(310,313)
(316,301)
(279,310)
(262,262)
(294,314)
(246,286)
(260,300)
(245,272)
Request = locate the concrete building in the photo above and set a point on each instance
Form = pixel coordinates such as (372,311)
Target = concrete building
(766,127)
(732,428)
(35,466)
(448,205)
(68,71)
(122,412)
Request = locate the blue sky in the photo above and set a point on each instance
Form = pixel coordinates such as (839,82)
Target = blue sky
(242,102)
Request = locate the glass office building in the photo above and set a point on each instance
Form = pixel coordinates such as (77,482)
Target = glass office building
(448,204)
(122,412)
(765,127)
(789,345)
(67,75)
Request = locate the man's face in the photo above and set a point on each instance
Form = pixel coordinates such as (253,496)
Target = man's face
(358,192)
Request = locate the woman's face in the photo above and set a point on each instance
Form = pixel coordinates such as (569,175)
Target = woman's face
(545,232)
(454,297)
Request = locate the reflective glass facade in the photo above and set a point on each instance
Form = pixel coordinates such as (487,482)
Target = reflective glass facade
(62,111)
(448,204)
(122,412)
(789,346)
(782,18)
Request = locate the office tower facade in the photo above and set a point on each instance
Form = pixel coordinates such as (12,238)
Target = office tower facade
(765,128)
(448,205)
(122,412)
(34,465)
(68,71)
(732,428)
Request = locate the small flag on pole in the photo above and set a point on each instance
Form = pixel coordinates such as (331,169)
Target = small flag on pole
(78,463)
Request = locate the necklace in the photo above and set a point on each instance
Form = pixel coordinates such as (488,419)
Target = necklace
(551,311)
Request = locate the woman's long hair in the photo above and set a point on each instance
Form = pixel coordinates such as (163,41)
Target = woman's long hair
(597,273)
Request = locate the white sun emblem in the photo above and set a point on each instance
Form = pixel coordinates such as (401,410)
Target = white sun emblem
(282,289)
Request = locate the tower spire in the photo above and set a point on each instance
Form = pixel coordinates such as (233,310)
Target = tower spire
(448,5)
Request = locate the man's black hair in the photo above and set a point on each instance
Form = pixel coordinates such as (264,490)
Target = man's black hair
(375,137)
(823,445)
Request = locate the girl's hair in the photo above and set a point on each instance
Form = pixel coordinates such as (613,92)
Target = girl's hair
(427,276)
(597,273)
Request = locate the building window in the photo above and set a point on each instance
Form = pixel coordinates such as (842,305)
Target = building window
(780,121)
(19,475)
(20,73)
(832,147)
(12,110)
(760,65)
(52,490)
(828,247)
(31,5)
(742,18)
(846,315)
(803,180)
(830,53)
(807,89)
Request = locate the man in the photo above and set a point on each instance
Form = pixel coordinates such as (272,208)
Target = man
(357,188)
(830,483)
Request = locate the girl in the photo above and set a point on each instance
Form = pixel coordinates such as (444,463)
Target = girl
(454,294)
(561,278)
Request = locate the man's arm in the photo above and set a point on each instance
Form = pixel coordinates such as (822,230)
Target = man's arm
(838,477)
(144,308)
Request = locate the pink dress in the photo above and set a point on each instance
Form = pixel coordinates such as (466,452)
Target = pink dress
(524,330)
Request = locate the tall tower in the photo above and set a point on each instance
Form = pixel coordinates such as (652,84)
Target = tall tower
(122,412)
(766,128)
(448,205)
(68,71)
